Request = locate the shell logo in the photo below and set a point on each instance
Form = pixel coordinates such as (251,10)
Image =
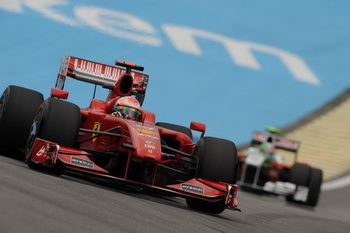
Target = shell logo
(146,131)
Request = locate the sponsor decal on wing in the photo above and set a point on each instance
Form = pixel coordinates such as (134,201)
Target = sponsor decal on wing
(82,162)
(193,188)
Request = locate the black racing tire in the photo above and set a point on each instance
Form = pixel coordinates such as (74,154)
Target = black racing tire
(18,107)
(315,182)
(206,206)
(56,121)
(177,128)
(216,161)
(298,175)
(60,122)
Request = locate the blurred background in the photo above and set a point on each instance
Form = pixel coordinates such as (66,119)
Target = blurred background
(236,66)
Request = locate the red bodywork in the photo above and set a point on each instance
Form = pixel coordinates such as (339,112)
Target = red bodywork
(137,144)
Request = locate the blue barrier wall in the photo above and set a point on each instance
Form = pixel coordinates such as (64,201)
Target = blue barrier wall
(235,65)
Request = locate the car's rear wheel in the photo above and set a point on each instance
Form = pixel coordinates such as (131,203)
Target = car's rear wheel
(177,128)
(18,107)
(314,186)
(298,175)
(310,178)
(56,121)
(216,161)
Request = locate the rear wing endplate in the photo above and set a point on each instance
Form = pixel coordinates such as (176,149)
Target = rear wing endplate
(278,141)
(99,74)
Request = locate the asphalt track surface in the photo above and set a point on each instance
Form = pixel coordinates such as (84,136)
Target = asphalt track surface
(32,201)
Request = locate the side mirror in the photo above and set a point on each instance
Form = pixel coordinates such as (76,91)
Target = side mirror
(58,93)
(197,126)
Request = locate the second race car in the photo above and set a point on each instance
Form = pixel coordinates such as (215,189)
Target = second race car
(262,168)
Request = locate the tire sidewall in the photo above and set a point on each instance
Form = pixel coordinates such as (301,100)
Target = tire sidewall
(60,122)
(18,108)
(217,160)
(177,128)
(300,174)
(314,186)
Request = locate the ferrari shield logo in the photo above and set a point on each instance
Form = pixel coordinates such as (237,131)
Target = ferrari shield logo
(97,127)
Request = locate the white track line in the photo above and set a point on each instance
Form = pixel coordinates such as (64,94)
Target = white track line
(336,184)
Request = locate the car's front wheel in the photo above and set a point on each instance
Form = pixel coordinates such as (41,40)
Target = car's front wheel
(306,177)
(314,186)
(56,121)
(216,161)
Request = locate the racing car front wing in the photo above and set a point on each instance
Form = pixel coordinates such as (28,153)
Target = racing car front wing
(50,154)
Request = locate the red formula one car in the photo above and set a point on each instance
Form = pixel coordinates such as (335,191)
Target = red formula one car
(120,143)
(262,168)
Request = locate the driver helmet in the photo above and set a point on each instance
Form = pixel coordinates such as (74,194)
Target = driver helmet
(267,148)
(127,107)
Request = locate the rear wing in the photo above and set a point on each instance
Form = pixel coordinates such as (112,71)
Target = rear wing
(101,74)
(278,141)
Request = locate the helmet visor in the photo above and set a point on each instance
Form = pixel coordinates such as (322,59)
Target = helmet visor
(128,112)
